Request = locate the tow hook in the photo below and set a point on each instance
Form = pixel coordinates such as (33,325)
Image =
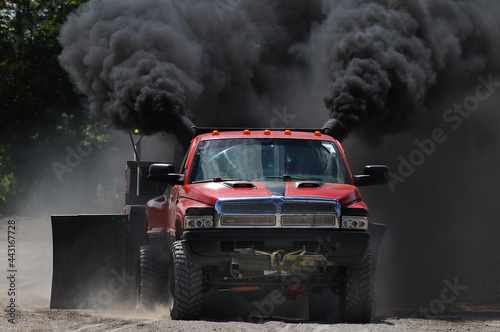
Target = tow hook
(249,262)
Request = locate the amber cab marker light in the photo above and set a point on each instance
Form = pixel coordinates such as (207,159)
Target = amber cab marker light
(215,133)
(267,132)
(288,132)
(246,132)
(317,133)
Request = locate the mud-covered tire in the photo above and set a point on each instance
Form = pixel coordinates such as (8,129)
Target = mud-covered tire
(357,295)
(185,286)
(146,279)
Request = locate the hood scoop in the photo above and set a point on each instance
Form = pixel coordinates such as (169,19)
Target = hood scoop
(239,184)
(308,184)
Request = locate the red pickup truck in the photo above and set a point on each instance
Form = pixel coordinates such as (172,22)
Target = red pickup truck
(256,210)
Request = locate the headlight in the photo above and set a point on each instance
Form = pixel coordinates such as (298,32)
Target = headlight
(191,222)
(355,222)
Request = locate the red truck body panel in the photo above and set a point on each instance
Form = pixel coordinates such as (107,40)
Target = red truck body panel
(206,194)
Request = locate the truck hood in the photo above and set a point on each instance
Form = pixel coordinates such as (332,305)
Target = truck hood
(210,192)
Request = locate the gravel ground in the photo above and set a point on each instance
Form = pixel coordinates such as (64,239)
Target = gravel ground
(43,319)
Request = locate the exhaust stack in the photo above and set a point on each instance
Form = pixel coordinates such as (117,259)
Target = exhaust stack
(334,128)
(184,131)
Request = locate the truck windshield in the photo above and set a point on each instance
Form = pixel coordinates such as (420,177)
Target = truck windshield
(268,159)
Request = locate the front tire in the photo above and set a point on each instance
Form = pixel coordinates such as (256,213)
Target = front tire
(185,285)
(357,295)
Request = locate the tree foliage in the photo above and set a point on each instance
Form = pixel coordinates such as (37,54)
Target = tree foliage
(40,112)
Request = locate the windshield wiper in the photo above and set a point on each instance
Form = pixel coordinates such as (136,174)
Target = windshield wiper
(220,179)
(288,177)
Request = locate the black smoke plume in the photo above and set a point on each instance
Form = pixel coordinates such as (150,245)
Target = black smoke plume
(385,58)
(143,64)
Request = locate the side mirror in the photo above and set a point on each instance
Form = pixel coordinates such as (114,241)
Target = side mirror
(164,173)
(373,175)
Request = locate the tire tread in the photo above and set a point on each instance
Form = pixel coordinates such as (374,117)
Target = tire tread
(188,286)
(146,282)
(358,292)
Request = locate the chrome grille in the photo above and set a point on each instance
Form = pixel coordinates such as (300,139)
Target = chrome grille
(309,220)
(252,207)
(303,207)
(277,211)
(248,220)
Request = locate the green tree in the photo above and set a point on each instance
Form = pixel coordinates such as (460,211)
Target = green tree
(40,112)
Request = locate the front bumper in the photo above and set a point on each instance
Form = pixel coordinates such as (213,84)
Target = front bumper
(214,247)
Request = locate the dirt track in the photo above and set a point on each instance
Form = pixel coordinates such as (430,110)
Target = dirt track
(32,313)
(42,319)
